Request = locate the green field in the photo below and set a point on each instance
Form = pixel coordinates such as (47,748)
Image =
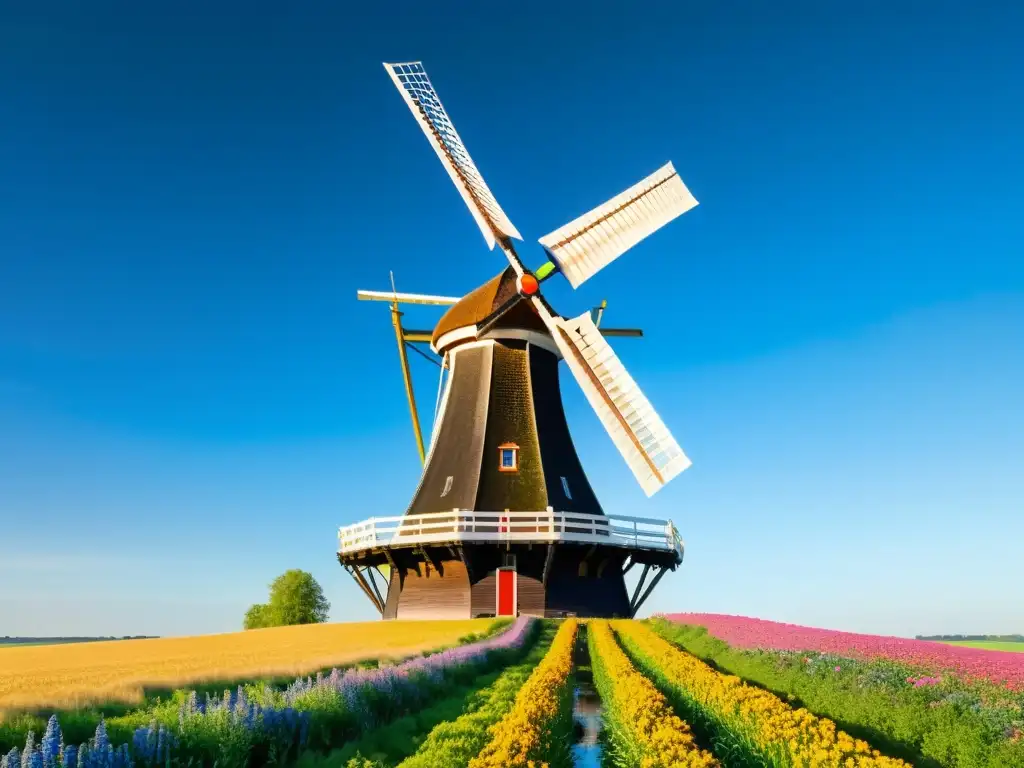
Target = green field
(987,646)
(56,641)
(20,645)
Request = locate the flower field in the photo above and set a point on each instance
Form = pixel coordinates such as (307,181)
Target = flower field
(1002,667)
(259,725)
(645,729)
(120,670)
(671,696)
(782,734)
(916,706)
(528,732)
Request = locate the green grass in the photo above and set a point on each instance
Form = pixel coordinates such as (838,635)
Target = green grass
(945,726)
(20,645)
(65,641)
(987,645)
(391,743)
(449,732)
(454,743)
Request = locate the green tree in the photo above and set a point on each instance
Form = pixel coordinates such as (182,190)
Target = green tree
(295,598)
(256,617)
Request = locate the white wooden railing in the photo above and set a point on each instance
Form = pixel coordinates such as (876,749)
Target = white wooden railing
(547,526)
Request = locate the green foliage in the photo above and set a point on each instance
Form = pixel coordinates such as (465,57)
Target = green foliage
(711,732)
(1014,646)
(452,744)
(620,748)
(295,598)
(973,638)
(948,725)
(449,732)
(162,704)
(257,617)
(389,744)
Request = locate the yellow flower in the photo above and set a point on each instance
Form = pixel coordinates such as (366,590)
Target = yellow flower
(773,725)
(519,737)
(663,738)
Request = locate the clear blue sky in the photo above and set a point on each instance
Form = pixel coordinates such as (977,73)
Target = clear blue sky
(192,400)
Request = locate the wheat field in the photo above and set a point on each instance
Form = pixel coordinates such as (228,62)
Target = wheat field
(119,670)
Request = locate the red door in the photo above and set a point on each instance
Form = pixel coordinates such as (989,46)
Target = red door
(506,592)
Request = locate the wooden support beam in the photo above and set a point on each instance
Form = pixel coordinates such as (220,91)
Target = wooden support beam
(417,337)
(377,602)
(654,582)
(465,562)
(428,561)
(354,573)
(396,320)
(368,574)
(548,559)
(640,584)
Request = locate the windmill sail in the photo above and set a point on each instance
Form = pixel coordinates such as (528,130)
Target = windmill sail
(586,245)
(638,432)
(406,298)
(414,85)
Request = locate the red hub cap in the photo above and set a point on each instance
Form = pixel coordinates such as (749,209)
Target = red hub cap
(528,284)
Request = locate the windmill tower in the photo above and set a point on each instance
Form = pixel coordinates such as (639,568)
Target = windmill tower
(504,520)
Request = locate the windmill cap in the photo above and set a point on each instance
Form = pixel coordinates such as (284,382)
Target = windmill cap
(477,305)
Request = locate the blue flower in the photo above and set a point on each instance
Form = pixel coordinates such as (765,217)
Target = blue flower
(162,747)
(101,741)
(51,743)
(30,747)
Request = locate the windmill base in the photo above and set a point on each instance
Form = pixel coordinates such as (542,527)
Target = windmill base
(547,580)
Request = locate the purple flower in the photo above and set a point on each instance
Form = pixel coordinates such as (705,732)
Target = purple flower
(401,684)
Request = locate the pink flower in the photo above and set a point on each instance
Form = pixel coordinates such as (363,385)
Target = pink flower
(1000,667)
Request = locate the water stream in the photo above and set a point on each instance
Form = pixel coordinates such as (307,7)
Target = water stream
(586,708)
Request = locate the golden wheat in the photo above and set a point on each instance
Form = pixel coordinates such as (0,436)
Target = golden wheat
(118,670)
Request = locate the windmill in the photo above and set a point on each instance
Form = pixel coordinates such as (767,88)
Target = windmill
(504,520)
